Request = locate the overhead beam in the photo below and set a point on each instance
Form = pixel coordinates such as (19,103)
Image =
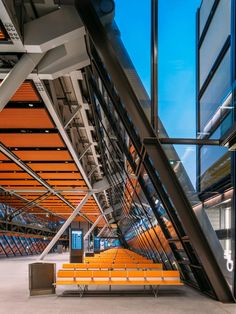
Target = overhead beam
(17,76)
(65,226)
(25,199)
(48,102)
(22,165)
(186,141)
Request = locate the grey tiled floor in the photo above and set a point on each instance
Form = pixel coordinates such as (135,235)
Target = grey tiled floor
(14,297)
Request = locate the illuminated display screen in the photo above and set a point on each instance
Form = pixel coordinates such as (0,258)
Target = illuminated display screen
(76,240)
(96,243)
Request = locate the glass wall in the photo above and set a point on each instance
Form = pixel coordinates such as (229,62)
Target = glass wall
(215,111)
(215,38)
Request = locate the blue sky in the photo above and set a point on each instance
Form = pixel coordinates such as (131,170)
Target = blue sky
(177,44)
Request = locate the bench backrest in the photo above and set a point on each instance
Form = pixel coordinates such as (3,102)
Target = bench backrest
(118,274)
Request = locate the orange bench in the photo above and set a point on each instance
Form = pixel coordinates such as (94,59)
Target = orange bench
(85,278)
(111,266)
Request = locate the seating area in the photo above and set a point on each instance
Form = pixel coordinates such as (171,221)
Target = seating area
(117,267)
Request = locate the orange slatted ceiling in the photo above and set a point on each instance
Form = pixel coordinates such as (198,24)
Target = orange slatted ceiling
(55,166)
(2,36)
(26,93)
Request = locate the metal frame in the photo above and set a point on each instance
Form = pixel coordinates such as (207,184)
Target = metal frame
(64,226)
(155,150)
(48,103)
(21,164)
(154,64)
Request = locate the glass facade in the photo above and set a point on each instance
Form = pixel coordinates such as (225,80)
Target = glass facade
(215,116)
(146,214)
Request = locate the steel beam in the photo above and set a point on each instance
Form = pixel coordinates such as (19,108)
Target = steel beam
(23,166)
(155,151)
(101,231)
(17,76)
(65,226)
(154,65)
(93,226)
(25,199)
(48,102)
(72,117)
(186,141)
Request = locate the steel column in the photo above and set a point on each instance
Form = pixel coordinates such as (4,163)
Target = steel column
(65,226)
(154,65)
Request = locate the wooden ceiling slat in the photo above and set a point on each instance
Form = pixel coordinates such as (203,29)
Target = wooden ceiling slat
(31,140)
(43,155)
(61,175)
(53,166)
(31,118)
(26,93)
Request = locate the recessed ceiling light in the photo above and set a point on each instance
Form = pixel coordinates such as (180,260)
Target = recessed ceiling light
(16,148)
(58,149)
(31,105)
(46,131)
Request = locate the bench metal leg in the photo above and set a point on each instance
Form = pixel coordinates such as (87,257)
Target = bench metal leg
(81,290)
(155,290)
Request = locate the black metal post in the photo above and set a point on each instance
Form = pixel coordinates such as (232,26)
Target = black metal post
(154,65)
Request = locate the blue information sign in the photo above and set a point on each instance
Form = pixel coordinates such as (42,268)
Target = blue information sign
(96,244)
(76,240)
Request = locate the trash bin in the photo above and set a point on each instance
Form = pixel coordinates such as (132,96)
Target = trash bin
(41,278)
(60,248)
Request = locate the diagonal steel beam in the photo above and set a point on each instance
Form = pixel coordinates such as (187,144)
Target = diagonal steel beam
(72,117)
(106,212)
(23,166)
(93,226)
(101,231)
(25,199)
(17,76)
(65,226)
(49,104)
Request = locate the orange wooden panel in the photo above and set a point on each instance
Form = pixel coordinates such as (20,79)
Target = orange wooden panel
(26,93)
(52,167)
(9,167)
(25,118)
(19,182)
(3,157)
(43,155)
(65,183)
(31,140)
(25,187)
(59,175)
(13,175)
(74,196)
(2,36)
